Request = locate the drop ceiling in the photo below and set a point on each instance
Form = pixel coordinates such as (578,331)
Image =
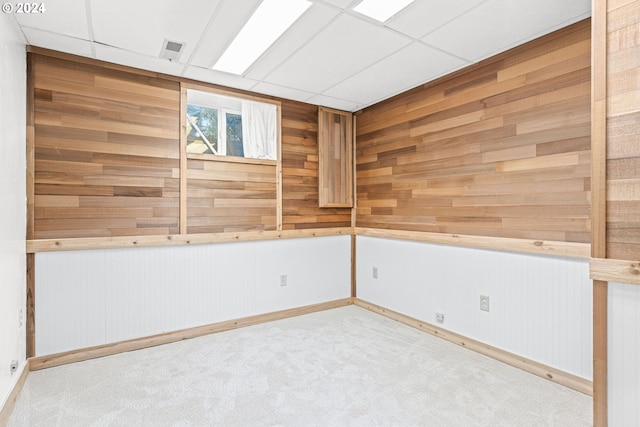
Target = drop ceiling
(331,56)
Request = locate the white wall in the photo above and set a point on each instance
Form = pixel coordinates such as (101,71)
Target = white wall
(540,306)
(624,355)
(88,298)
(12,195)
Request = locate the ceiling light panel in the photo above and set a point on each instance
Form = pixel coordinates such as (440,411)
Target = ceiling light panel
(270,20)
(381,10)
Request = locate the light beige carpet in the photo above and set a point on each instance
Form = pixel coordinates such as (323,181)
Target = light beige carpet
(343,367)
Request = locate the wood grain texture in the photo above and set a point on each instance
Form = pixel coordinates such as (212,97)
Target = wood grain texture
(89,243)
(106,151)
(300,199)
(599,207)
(335,148)
(622,80)
(107,160)
(501,149)
(615,270)
(227,197)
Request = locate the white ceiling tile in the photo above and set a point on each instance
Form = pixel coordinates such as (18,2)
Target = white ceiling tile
(424,16)
(142,25)
(281,91)
(229,19)
(305,28)
(342,4)
(420,64)
(58,42)
(137,60)
(218,77)
(501,24)
(66,17)
(343,48)
(338,104)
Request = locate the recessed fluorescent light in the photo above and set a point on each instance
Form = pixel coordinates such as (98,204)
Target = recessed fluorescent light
(268,22)
(381,10)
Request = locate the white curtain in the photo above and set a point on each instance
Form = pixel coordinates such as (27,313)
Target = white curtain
(259,130)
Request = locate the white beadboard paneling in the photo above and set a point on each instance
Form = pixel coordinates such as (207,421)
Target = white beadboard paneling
(87,298)
(540,306)
(624,354)
(12,193)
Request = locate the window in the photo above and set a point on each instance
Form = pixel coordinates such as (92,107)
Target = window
(228,126)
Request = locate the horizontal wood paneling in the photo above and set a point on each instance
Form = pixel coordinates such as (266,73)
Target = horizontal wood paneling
(502,149)
(107,160)
(623,131)
(229,196)
(300,208)
(106,151)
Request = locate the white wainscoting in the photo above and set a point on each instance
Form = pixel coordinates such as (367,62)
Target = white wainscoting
(88,298)
(540,306)
(624,355)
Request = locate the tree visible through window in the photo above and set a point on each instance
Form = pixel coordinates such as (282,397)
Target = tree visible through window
(228,126)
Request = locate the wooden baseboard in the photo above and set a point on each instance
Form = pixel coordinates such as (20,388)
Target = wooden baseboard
(37,363)
(555,375)
(7,407)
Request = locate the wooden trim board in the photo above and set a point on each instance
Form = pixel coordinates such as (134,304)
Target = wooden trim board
(7,407)
(615,270)
(49,361)
(553,248)
(89,243)
(555,375)
(565,249)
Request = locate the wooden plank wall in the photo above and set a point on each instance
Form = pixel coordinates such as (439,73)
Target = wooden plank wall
(623,129)
(500,149)
(300,204)
(335,146)
(107,160)
(228,196)
(106,151)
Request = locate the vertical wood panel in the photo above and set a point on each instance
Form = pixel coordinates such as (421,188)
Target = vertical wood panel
(300,198)
(31,313)
(502,149)
(183,161)
(335,150)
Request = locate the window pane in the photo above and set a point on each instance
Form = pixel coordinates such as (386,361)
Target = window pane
(234,135)
(202,130)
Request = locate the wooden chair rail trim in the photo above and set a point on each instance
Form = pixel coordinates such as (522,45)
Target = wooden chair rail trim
(89,243)
(545,247)
(554,248)
(42,362)
(615,270)
(552,374)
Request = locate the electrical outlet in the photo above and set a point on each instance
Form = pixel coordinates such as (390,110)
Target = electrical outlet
(484,303)
(283,280)
(440,317)
(20,317)
(374,273)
